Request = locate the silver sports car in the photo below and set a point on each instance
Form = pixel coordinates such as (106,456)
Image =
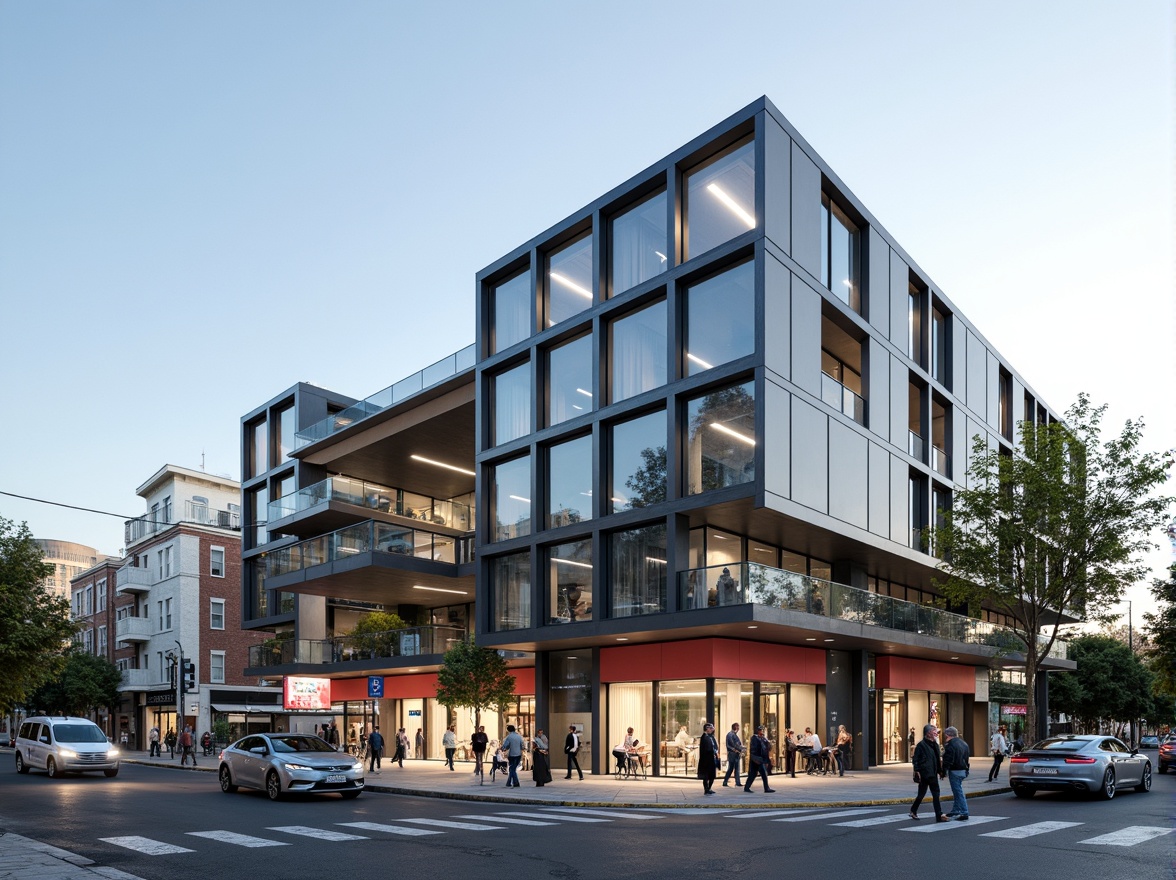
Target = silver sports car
(1099,764)
(285,763)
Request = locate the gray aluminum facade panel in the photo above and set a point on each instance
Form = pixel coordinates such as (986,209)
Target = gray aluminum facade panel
(810,452)
(899,521)
(977,375)
(992,376)
(806,212)
(777,324)
(848,474)
(777,184)
(900,275)
(958,352)
(878,388)
(879,477)
(900,380)
(777,440)
(878,282)
(1018,404)
(974,429)
(806,344)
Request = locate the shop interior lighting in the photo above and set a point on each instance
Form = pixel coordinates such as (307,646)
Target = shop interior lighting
(732,205)
(748,440)
(441,464)
(572,285)
(521,498)
(440,590)
(699,361)
(571,562)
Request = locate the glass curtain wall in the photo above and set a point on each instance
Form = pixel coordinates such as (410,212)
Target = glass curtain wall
(569,380)
(638,462)
(639,249)
(720,319)
(639,571)
(638,345)
(570,582)
(512,591)
(682,710)
(570,674)
(720,199)
(733,702)
(631,705)
(569,281)
(512,311)
(512,404)
(721,439)
(569,482)
(511,501)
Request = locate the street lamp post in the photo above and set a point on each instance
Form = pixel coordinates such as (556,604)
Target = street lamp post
(180,687)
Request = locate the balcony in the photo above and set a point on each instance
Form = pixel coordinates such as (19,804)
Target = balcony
(411,642)
(843,399)
(369,537)
(428,377)
(134,629)
(135,530)
(775,588)
(141,679)
(915,446)
(133,580)
(206,516)
(372,496)
(940,462)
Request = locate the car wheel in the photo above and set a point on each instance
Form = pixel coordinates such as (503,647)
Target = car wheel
(1145,780)
(22,767)
(273,786)
(226,780)
(1107,791)
(51,768)
(1163,768)
(350,795)
(1023,791)
(110,774)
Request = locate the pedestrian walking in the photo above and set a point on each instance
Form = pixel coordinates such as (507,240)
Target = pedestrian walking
(761,760)
(540,764)
(401,746)
(333,735)
(956,764)
(420,744)
(375,742)
(512,743)
(187,751)
(928,770)
(708,758)
(153,742)
(735,749)
(478,743)
(449,742)
(844,746)
(571,749)
(169,740)
(999,748)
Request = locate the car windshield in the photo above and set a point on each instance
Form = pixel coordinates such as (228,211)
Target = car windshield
(78,733)
(1066,743)
(300,744)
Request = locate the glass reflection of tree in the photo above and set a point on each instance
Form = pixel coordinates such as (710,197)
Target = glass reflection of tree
(722,445)
(648,483)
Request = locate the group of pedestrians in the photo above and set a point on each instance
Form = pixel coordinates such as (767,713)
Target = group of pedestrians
(930,765)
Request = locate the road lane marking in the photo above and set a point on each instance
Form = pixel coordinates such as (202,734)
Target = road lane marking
(460,826)
(564,818)
(836,815)
(146,845)
(1031,830)
(873,820)
(1129,836)
(390,829)
(508,821)
(316,833)
(237,839)
(952,823)
(615,814)
(760,814)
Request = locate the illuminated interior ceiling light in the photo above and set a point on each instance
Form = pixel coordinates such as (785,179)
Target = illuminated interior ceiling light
(521,498)
(571,285)
(753,626)
(620,500)
(750,441)
(733,205)
(813,639)
(441,464)
(828,640)
(582,391)
(655,559)
(571,562)
(663,256)
(699,361)
(622,639)
(440,590)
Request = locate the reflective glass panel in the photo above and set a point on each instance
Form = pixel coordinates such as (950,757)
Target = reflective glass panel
(512,499)
(569,281)
(638,346)
(512,311)
(569,380)
(720,319)
(259,460)
(285,441)
(638,462)
(639,571)
(639,250)
(569,482)
(570,582)
(512,404)
(720,446)
(720,200)
(512,591)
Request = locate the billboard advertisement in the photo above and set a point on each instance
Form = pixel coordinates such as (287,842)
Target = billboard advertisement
(302,693)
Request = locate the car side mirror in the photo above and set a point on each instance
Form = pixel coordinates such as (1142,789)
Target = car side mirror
(258,750)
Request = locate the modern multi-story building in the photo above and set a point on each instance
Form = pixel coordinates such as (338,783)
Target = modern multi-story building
(68,560)
(705,421)
(95,608)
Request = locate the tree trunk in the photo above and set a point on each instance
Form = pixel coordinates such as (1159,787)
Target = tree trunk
(1030,733)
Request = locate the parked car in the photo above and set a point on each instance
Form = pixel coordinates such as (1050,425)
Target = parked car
(1167,752)
(63,744)
(1149,742)
(1100,764)
(288,763)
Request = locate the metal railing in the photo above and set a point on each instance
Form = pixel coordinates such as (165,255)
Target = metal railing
(431,375)
(750,582)
(940,461)
(843,399)
(142,678)
(453,514)
(409,642)
(367,537)
(915,445)
(207,516)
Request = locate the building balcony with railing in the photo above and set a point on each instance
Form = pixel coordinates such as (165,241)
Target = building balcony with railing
(449,513)
(940,462)
(415,642)
(134,629)
(135,530)
(204,515)
(369,537)
(132,579)
(142,679)
(843,399)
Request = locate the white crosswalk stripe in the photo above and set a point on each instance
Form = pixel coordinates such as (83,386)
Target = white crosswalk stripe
(388,829)
(873,820)
(616,814)
(460,826)
(835,815)
(565,818)
(947,826)
(146,845)
(761,814)
(1023,831)
(507,820)
(316,833)
(237,839)
(1129,836)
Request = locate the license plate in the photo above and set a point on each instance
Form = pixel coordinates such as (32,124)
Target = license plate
(1046,771)
(336,777)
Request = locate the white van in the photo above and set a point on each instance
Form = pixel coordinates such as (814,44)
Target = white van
(64,745)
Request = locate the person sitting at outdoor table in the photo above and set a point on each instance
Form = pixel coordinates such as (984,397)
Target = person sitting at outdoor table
(637,750)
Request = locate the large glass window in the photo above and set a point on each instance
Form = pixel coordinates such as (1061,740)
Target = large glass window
(285,438)
(720,319)
(258,501)
(720,443)
(258,459)
(840,254)
(682,708)
(939,345)
(512,499)
(569,281)
(639,250)
(512,311)
(569,380)
(570,582)
(569,482)
(512,591)
(638,348)
(638,462)
(639,571)
(720,199)
(512,404)
(841,371)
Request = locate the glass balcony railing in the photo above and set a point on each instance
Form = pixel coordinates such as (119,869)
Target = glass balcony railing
(453,514)
(368,537)
(940,462)
(773,587)
(915,445)
(381,400)
(410,642)
(843,399)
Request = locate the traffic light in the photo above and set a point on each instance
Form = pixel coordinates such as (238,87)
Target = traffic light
(189,676)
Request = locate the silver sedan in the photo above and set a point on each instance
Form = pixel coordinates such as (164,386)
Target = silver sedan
(286,763)
(1101,764)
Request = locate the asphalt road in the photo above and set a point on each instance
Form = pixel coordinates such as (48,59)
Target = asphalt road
(162,824)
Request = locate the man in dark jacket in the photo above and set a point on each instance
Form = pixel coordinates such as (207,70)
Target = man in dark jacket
(928,769)
(956,766)
(375,750)
(761,754)
(734,754)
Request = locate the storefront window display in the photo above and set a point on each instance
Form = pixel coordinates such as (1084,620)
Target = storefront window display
(682,709)
(570,675)
(733,705)
(631,705)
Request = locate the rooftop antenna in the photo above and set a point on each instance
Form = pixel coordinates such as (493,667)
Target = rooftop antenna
(201,459)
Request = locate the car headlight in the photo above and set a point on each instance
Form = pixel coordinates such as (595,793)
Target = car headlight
(112,753)
(67,753)
(298,767)
(357,767)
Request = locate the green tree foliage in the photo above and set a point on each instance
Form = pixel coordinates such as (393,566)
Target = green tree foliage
(34,622)
(1161,626)
(724,459)
(375,634)
(85,682)
(1061,524)
(477,678)
(648,484)
(1111,684)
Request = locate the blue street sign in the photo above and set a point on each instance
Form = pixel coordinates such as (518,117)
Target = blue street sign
(376,686)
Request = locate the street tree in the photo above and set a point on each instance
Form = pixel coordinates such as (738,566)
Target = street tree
(375,634)
(1060,525)
(1111,684)
(1161,625)
(477,678)
(85,682)
(34,621)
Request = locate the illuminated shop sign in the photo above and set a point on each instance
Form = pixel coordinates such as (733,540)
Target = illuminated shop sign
(312,694)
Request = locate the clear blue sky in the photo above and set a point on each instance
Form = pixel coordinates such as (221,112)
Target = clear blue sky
(203,203)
